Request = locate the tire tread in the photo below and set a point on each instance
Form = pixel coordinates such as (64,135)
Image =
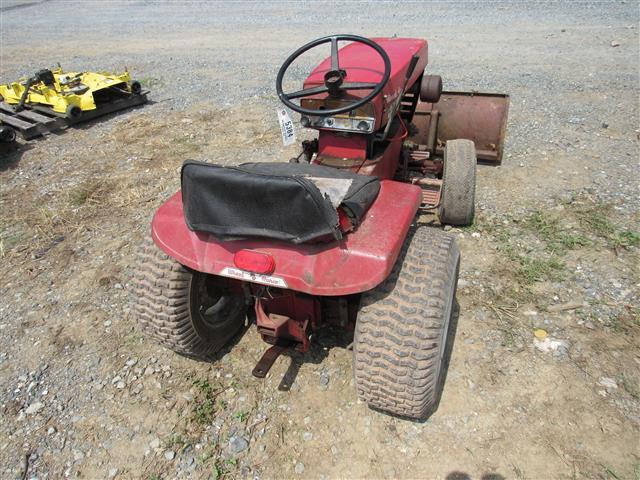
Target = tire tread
(400,326)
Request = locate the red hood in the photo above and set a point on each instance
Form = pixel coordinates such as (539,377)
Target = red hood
(364,64)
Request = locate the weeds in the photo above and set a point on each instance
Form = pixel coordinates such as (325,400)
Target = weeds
(533,269)
(204,407)
(597,219)
(178,442)
(91,191)
(241,415)
(10,237)
(131,339)
(507,323)
(610,472)
(524,265)
(219,470)
(548,228)
(533,250)
(151,82)
(624,239)
(630,386)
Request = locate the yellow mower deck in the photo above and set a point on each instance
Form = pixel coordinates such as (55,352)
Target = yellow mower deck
(54,99)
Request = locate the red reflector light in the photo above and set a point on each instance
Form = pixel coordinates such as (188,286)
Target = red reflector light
(256,262)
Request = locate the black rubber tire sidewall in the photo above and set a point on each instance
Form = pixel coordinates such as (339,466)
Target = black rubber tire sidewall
(163,305)
(7,134)
(228,309)
(73,112)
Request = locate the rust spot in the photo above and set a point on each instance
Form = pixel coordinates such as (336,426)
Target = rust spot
(308,277)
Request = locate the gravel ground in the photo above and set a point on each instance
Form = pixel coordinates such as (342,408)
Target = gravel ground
(555,247)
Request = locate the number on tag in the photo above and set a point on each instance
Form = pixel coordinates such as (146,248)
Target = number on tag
(286,127)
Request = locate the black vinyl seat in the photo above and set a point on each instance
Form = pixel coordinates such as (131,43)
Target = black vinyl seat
(293,202)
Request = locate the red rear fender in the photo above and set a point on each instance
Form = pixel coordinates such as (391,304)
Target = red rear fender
(359,262)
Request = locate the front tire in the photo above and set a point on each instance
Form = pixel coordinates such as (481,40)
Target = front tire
(404,331)
(458,198)
(182,309)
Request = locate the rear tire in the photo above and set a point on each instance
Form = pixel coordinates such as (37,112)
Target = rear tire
(457,201)
(181,308)
(404,331)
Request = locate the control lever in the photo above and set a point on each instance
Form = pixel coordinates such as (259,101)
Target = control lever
(394,108)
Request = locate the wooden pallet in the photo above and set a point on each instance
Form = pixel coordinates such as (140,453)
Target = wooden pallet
(29,123)
(38,120)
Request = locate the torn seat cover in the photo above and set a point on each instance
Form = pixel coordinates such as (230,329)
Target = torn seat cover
(291,202)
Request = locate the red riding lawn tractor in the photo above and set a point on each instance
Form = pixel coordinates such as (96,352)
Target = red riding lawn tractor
(331,237)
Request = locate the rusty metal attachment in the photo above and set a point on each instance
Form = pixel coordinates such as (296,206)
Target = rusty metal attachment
(291,326)
(431,191)
(282,331)
(267,360)
(480,117)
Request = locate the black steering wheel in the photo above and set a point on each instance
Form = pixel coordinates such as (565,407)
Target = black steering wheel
(334,78)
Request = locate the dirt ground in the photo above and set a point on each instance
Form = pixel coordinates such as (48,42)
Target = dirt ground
(554,247)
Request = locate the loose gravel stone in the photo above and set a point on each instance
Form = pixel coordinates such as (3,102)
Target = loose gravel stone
(34,408)
(237,445)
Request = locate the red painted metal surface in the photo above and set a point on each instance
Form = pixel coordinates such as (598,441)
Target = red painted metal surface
(287,318)
(338,145)
(349,153)
(359,262)
(363,64)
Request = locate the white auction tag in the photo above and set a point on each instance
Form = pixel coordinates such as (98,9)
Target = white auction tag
(286,127)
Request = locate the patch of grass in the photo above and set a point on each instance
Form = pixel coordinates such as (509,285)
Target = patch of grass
(185,144)
(549,229)
(151,82)
(630,386)
(219,470)
(533,269)
(526,267)
(626,320)
(10,236)
(597,218)
(529,251)
(178,442)
(610,472)
(134,337)
(204,407)
(183,140)
(91,191)
(507,322)
(241,415)
(624,239)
